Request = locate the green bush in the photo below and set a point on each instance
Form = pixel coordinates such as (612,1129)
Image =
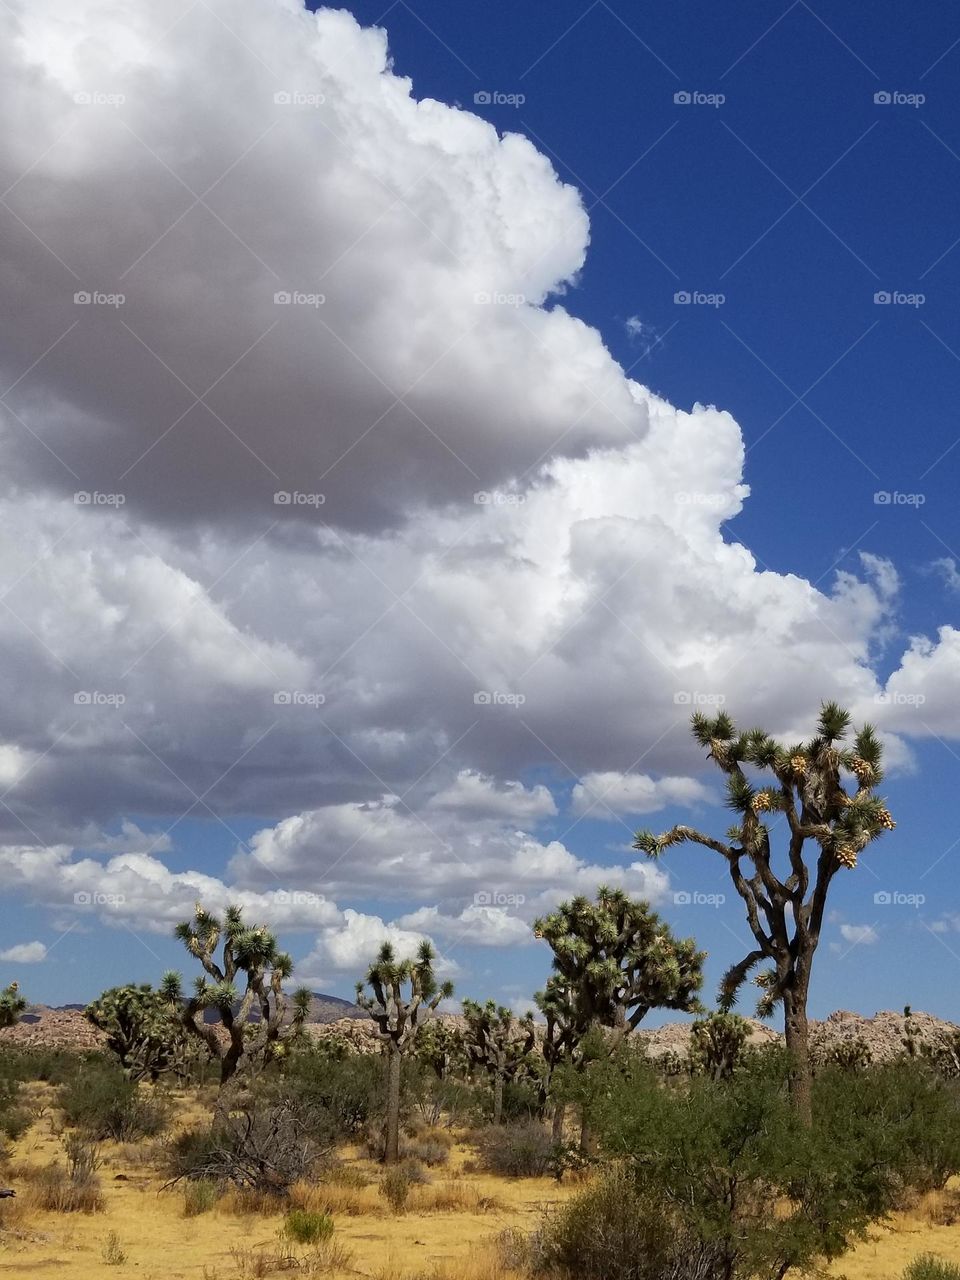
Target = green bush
(102,1101)
(199,1197)
(612,1232)
(928,1267)
(713,1156)
(342,1091)
(307,1228)
(395,1187)
(901,1121)
(515,1150)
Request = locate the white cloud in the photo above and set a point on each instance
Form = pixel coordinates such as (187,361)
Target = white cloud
(473,794)
(610,794)
(25,953)
(859,934)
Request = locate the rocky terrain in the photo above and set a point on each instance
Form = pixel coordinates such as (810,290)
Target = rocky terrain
(883,1034)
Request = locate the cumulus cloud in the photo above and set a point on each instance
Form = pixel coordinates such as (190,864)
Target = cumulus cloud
(413,249)
(612,794)
(381,683)
(472,794)
(25,953)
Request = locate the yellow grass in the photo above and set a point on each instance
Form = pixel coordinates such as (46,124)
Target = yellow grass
(448,1232)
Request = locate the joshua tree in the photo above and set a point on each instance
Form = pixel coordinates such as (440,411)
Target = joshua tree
(397,1016)
(144,1028)
(786,913)
(440,1047)
(717,1043)
(250,954)
(499,1044)
(614,960)
(561,1040)
(12,1004)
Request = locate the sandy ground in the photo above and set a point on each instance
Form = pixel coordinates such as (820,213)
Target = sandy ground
(161,1244)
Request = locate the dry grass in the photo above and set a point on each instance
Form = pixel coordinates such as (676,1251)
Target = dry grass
(490,1261)
(51,1188)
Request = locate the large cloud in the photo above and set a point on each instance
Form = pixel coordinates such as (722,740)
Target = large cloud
(182,158)
(377,689)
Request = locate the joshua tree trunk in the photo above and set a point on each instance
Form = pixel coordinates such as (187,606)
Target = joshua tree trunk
(559,1111)
(796,1034)
(392,1148)
(497,1097)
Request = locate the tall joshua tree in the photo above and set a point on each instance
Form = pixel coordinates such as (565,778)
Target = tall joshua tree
(250,957)
(614,960)
(498,1043)
(785,911)
(561,1040)
(12,1004)
(402,992)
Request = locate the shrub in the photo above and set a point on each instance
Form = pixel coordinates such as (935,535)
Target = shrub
(307,1228)
(101,1100)
(261,1149)
(199,1197)
(428,1151)
(928,1267)
(714,1155)
(395,1187)
(612,1232)
(76,1191)
(112,1252)
(516,1151)
(341,1092)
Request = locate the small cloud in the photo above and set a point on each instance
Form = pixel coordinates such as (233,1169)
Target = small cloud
(645,335)
(947,569)
(864,934)
(25,953)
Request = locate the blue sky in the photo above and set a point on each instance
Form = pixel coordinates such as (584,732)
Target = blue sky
(787,200)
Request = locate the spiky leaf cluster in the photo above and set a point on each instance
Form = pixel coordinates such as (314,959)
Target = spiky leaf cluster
(400,993)
(496,1041)
(614,960)
(717,1043)
(243,984)
(143,1027)
(12,1005)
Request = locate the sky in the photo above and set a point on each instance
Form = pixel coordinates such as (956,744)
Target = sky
(411,414)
